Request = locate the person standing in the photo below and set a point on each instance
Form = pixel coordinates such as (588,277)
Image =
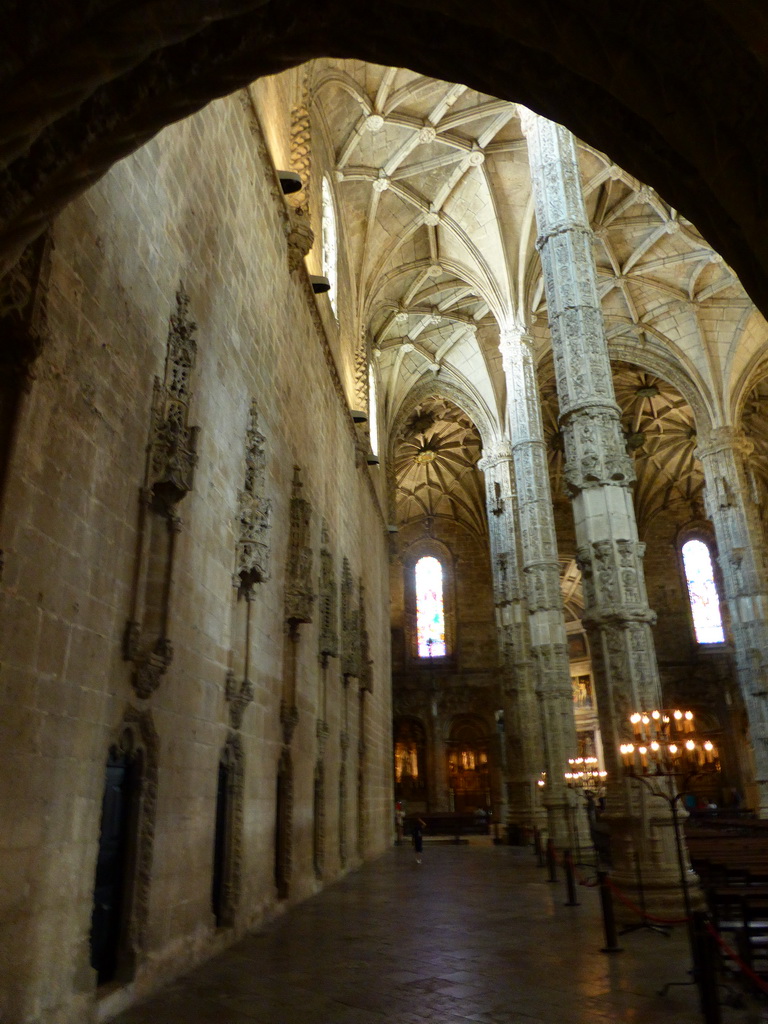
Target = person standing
(399,822)
(417,834)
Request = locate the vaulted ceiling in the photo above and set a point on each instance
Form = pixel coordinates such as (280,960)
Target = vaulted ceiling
(434,194)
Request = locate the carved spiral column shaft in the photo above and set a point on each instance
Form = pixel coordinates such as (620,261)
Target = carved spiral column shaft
(522,732)
(731,505)
(541,573)
(599,474)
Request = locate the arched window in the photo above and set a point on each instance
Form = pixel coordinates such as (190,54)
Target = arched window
(430,610)
(373,426)
(330,242)
(702,593)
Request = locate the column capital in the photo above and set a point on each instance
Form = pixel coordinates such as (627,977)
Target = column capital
(722,439)
(514,332)
(514,338)
(493,454)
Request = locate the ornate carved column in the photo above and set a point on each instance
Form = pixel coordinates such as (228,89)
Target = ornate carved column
(522,730)
(731,505)
(599,475)
(541,575)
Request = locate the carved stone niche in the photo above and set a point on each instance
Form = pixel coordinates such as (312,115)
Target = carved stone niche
(298,591)
(169,476)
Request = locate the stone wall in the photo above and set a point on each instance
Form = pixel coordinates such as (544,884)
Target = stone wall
(196,209)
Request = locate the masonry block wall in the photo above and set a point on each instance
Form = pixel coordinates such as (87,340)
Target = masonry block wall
(197,209)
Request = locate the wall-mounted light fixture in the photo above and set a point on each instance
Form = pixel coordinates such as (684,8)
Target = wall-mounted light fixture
(319,283)
(371,459)
(290,182)
(359,415)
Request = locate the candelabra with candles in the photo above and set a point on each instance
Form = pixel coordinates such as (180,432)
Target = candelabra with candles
(666,754)
(665,744)
(586,773)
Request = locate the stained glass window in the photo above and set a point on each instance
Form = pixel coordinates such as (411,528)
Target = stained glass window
(702,593)
(330,241)
(430,614)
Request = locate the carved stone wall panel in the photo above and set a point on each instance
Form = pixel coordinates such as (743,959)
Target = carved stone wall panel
(351,664)
(299,594)
(328,603)
(365,679)
(169,476)
(254,509)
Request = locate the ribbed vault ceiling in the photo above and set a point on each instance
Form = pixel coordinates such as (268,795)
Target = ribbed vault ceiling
(434,194)
(435,467)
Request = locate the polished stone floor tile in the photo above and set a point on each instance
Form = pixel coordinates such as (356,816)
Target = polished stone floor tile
(473,935)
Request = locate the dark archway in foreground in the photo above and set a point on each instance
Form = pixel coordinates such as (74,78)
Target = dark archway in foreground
(676,93)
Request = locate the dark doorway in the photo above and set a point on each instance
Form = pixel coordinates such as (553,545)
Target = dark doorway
(111,897)
(220,844)
(283,813)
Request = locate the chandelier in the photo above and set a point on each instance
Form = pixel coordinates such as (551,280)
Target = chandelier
(585,772)
(665,742)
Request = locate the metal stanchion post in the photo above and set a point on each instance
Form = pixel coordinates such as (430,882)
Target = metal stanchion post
(537,846)
(705,969)
(609,921)
(551,862)
(570,879)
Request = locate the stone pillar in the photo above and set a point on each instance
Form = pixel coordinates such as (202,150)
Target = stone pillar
(731,505)
(599,474)
(541,576)
(522,732)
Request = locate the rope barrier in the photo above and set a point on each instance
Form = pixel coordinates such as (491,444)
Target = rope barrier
(583,880)
(727,950)
(624,899)
(732,955)
(644,913)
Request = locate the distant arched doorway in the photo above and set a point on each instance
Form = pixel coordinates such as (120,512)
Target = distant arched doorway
(410,742)
(469,766)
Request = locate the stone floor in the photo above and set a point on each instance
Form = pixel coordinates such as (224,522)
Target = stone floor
(475,933)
